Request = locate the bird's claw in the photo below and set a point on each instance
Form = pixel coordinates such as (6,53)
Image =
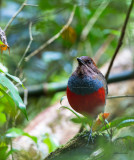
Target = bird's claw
(90,138)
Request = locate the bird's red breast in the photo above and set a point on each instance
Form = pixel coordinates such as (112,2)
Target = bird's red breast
(87,87)
(86,104)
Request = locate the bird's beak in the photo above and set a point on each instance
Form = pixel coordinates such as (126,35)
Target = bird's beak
(80,61)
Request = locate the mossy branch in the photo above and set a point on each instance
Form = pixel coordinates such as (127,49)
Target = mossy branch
(75,149)
(78,148)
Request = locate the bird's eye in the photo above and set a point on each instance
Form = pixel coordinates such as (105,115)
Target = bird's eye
(90,61)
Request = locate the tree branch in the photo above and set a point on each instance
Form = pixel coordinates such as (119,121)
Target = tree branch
(120,39)
(92,21)
(29,44)
(19,10)
(78,148)
(52,39)
(51,88)
(75,149)
(32,5)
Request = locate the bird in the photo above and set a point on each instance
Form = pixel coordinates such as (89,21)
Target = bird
(87,88)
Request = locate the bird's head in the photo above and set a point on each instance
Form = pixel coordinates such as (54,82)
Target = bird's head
(86,65)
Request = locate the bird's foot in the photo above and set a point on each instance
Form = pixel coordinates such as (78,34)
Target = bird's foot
(89,135)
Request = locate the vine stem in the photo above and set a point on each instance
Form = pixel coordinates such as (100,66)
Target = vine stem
(120,42)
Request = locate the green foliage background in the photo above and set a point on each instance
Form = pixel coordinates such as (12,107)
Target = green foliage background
(57,61)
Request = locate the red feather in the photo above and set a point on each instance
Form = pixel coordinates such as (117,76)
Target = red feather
(86,103)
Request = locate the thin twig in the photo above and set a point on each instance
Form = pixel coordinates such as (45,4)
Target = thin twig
(52,39)
(21,81)
(93,20)
(121,96)
(19,10)
(25,96)
(32,5)
(29,44)
(120,42)
(14,16)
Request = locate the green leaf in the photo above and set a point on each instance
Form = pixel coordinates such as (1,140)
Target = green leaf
(115,32)
(2,118)
(71,111)
(16,132)
(119,123)
(85,120)
(79,119)
(47,4)
(3,151)
(1,42)
(1,108)
(16,79)
(6,103)
(125,123)
(13,92)
(101,118)
(35,139)
(3,69)
(10,152)
(49,141)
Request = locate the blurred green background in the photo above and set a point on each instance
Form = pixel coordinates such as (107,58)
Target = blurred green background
(56,62)
(103,20)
